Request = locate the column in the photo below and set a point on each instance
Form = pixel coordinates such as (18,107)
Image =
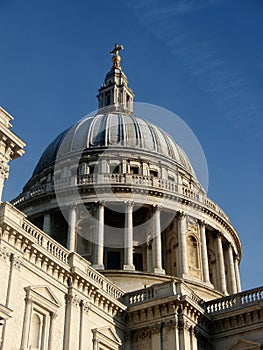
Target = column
(72,320)
(193,339)
(221,264)
(26,325)
(232,275)
(237,273)
(2,180)
(155,336)
(53,315)
(4,167)
(47,223)
(172,334)
(184,334)
(128,238)
(99,239)
(204,253)
(157,241)
(71,244)
(182,229)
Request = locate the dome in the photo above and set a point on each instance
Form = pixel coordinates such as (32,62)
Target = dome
(115,130)
(125,197)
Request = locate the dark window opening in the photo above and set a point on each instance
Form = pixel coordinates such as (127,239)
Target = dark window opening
(137,261)
(114,169)
(113,260)
(154,173)
(134,170)
(108,100)
(91,169)
(170,178)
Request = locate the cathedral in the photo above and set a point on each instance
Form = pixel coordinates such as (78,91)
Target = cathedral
(114,244)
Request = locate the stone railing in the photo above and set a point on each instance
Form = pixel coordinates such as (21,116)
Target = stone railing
(234,301)
(158,291)
(140,296)
(14,218)
(141,181)
(45,241)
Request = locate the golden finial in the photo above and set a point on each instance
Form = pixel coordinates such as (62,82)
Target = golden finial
(116,58)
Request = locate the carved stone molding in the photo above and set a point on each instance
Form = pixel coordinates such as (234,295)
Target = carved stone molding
(155,329)
(143,334)
(4,254)
(16,261)
(72,300)
(4,167)
(170,324)
(85,306)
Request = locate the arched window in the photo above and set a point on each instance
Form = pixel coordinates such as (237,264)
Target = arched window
(35,331)
(193,256)
(172,256)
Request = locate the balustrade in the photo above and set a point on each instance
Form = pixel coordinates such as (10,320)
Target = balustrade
(235,301)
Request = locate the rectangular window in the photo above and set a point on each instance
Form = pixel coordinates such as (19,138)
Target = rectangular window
(154,173)
(134,170)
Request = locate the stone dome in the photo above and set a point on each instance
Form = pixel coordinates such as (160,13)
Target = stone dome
(124,196)
(115,130)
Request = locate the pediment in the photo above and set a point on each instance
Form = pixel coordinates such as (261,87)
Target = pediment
(107,333)
(244,344)
(43,293)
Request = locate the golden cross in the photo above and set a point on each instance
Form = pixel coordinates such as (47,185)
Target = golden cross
(116,58)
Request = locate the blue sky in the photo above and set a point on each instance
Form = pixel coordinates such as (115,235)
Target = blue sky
(201,59)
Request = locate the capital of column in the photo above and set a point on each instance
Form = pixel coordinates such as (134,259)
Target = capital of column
(73,206)
(129,204)
(237,259)
(101,204)
(155,329)
(181,214)
(157,206)
(219,234)
(4,169)
(202,222)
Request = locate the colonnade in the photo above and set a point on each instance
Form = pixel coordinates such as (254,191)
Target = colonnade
(224,252)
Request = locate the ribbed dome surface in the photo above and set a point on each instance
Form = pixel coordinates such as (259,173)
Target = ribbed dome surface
(115,130)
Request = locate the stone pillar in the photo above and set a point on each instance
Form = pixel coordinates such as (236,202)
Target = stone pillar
(182,229)
(232,275)
(47,223)
(221,265)
(156,337)
(4,171)
(26,325)
(237,273)
(71,244)
(128,238)
(171,329)
(204,253)
(157,254)
(184,334)
(99,238)
(193,339)
(72,320)
(11,146)
(53,315)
